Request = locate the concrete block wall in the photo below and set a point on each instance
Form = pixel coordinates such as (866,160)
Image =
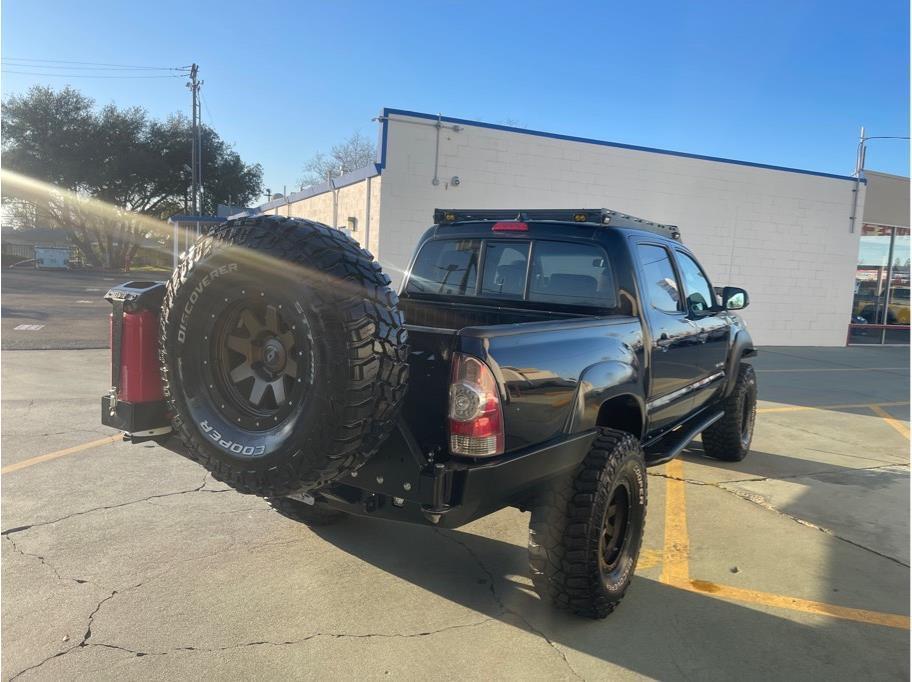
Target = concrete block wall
(350,200)
(784,236)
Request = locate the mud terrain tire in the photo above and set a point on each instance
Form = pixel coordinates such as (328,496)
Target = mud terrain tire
(283,354)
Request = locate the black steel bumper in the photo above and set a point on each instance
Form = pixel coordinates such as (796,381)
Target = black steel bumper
(399,483)
(394,485)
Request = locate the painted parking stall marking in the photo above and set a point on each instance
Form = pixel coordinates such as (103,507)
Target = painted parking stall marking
(28,327)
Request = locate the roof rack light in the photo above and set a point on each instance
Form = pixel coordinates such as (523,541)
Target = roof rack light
(598,216)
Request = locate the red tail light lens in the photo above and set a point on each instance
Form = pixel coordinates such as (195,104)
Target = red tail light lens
(510,227)
(475,414)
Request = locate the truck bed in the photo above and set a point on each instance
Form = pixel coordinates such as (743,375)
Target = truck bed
(537,356)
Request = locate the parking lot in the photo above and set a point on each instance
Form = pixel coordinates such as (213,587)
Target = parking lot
(128,562)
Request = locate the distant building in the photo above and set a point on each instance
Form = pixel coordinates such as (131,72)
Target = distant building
(786,235)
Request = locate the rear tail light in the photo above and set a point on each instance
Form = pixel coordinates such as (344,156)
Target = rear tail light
(475,414)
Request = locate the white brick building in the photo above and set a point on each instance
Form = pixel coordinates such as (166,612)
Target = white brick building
(786,235)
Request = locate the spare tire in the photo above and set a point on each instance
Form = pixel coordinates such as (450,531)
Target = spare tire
(283,352)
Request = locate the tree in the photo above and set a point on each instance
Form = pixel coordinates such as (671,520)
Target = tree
(356,152)
(137,166)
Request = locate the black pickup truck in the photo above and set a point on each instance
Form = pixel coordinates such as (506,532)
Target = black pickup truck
(540,359)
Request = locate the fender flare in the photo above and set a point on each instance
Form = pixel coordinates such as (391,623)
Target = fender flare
(742,347)
(599,383)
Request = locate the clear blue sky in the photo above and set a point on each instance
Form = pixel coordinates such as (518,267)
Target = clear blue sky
(785,83)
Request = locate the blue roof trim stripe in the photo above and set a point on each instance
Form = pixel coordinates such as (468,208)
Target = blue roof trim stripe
(604,143)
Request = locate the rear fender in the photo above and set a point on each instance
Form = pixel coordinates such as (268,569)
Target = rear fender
(602,382)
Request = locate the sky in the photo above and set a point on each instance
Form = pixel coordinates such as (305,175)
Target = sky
(784,83)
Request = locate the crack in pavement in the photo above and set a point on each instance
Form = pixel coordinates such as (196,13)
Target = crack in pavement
(506,609)
(85,643)
(838,470)
(761,502)
(48,564)
(79,645)
(199,489)
(266,642)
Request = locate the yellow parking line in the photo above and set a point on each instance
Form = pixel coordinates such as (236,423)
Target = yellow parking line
(60,453)
(675,570)
(895,423)
(845,406)
(794,604)
(649,558)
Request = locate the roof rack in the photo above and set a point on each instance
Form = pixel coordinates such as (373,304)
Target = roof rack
(600,216)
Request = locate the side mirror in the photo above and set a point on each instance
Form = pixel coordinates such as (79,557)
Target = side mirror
(734,298)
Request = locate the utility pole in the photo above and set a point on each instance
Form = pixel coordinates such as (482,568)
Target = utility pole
(195,154)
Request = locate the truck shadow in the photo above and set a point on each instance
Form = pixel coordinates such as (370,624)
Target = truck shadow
(659,631)
(806,489)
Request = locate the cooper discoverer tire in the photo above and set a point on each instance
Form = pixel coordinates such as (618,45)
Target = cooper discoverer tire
(283,354)
(729,439)
(586,530)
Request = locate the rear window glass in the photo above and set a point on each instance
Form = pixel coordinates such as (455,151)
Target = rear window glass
(447,267)
(559,273)
(571,274)
(505,269)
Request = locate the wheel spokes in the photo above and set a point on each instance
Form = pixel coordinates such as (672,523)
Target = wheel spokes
(259,388)
(278,390)
(239,345)
(253,325)
(272,319)
(241,372)
(291,368)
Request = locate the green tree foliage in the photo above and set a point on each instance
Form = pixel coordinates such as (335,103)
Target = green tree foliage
(117,155)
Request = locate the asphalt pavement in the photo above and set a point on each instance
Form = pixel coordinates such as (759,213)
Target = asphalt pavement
(55,309)
(129,562)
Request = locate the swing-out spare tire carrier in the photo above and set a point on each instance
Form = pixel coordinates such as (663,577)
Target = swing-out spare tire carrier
(283,355)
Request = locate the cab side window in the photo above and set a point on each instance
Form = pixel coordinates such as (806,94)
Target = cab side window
(661,282)
(699,293)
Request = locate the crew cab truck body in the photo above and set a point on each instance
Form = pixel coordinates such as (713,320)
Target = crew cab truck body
(602,359)
(552,354)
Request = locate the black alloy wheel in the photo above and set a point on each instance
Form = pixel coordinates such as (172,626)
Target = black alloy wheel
(260,359)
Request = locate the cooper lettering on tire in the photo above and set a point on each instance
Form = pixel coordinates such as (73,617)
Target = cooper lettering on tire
(284,355)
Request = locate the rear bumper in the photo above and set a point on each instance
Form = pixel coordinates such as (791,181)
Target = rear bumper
(453,493)
(399,483)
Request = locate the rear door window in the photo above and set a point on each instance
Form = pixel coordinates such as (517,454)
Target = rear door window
(505,266)
(571,274)
(446,267)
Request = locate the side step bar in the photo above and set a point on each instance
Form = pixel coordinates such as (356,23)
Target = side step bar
(669,446)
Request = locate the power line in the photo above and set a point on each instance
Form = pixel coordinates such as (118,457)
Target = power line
(208,113)
(118,66)
(86,75)
(61,67)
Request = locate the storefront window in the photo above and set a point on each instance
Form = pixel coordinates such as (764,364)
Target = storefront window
(880,310)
